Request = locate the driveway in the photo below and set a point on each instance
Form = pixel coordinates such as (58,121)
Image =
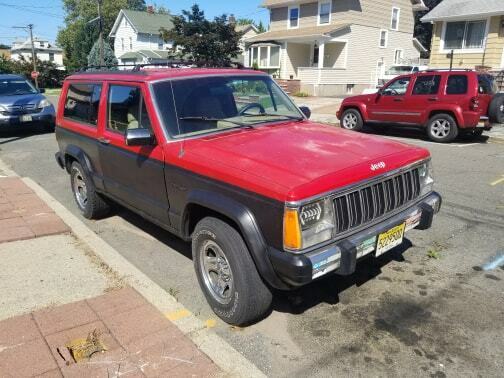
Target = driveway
(425,309)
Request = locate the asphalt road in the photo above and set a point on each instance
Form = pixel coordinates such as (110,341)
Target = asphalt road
(405,314)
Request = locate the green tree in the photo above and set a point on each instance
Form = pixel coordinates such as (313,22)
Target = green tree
(260,27)
(50,76)
(423,31)
(78,35)
(93,59)
(206,42)
(244,21)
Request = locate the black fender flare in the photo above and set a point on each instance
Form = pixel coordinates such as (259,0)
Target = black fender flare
(78,154)
(247,223)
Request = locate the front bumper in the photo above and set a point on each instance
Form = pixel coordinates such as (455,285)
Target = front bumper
(341,257)
(44,116)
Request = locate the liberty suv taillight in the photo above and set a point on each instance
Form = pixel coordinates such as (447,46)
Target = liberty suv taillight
(474,103)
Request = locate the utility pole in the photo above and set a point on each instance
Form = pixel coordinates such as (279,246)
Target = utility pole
(34,56)
(100,37)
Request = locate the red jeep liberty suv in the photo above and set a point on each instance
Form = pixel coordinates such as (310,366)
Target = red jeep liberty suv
(445,103)
(224,159)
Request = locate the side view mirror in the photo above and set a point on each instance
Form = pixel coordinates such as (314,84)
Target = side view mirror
(41,90)
(306,111)
(139,137)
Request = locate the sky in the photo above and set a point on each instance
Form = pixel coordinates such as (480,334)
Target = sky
(47,16)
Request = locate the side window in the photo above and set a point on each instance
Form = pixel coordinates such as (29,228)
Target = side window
(82,103)
(457,85)
(398,87)
(427,85)
(126,109)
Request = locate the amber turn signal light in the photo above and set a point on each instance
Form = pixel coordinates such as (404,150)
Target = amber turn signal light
(291,230)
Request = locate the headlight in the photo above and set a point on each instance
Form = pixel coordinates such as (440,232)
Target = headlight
(3,109)
(309,225)
(426,175)
(44,103)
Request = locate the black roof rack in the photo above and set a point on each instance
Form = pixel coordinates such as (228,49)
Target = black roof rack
(446,69)
(167,64)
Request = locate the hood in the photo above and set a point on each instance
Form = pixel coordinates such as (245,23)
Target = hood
(361,98)
(293,161)
(32,98)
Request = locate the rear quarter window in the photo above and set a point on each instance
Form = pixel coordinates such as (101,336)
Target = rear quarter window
(82,103)
(457,85)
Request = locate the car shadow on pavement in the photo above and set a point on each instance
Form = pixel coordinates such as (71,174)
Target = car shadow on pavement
(416,133)
(8,136)
(329,289)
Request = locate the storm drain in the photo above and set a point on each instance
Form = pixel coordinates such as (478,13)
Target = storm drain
(82,349)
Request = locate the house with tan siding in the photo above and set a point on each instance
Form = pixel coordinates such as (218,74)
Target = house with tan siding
(472,30)
(335,47)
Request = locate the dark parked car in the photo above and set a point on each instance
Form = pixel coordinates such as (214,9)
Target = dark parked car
(22,105)
(444,103)
(223,158)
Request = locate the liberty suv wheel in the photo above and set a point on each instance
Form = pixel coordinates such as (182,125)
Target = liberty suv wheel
(226,273)
(90,203)
(352,120)
(442,128)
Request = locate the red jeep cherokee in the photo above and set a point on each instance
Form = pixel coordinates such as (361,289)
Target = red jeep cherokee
(224,158)
(445,103)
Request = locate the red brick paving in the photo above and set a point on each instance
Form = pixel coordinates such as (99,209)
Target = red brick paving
(23,215)
(140,341)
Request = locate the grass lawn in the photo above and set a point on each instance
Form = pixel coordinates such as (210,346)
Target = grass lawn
(53,91)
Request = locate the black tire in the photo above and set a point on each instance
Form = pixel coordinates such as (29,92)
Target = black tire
(246,298)
(352,120)
(442,128)
(496,109)
(94,206)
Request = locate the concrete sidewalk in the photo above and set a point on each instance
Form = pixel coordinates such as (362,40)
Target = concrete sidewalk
(55,291)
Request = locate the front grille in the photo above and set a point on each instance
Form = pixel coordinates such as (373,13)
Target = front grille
(371,202)
(22,109)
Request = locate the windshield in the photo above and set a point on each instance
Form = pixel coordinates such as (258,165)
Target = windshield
(12,87)
(196,106)
(399,70)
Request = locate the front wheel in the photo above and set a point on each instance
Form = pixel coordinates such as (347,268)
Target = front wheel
(226,273)
(442,128)
(90,203)
(352,120)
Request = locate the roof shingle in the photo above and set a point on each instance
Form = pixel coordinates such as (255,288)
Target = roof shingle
(296,33)
(148,23)
(464,8)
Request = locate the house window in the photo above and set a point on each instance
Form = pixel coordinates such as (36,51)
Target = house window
(293,17)
(122,44)
(51,57)
(394,23)
(324,13)
(315,55)
(160,45)
(265,56)
(383,38)
(465,35)
(131,43)
(398,56)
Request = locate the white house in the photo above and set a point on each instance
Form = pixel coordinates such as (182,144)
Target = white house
(45,51)
(335,47)
(248,31)
(137,38)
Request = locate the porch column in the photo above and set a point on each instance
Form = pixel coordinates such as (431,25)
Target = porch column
(321,54)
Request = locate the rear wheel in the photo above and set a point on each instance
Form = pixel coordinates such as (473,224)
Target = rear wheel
(352,120)
(90,203)
(226,273)
(442,128)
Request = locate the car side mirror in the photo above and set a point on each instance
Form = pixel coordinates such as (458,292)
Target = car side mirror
(306,111)
(139,137)
(41,90)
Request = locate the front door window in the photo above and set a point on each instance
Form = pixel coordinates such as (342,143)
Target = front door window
(398,87)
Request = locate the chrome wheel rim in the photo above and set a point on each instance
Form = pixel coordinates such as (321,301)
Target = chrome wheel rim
(79,188)
(440,128)
(349,121)
(217,274)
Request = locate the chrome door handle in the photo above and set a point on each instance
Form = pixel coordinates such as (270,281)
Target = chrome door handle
(104,141)
(433,99)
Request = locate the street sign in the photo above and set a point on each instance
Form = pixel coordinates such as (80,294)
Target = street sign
(35,74)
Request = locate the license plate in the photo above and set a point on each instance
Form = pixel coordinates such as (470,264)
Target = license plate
(26,118)
(390,239)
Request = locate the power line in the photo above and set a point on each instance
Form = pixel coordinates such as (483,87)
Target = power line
(29,10)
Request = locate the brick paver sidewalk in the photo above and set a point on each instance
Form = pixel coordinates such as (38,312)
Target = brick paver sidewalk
(23,215)
(140,341)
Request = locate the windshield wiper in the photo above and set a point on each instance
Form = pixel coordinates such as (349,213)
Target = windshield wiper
(209,119)
(274,115)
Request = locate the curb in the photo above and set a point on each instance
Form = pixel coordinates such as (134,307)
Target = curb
(228,359)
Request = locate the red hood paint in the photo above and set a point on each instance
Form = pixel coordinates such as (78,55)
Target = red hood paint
(293,161)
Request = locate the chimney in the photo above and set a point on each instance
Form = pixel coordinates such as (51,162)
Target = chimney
(150,9)
(232,19)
